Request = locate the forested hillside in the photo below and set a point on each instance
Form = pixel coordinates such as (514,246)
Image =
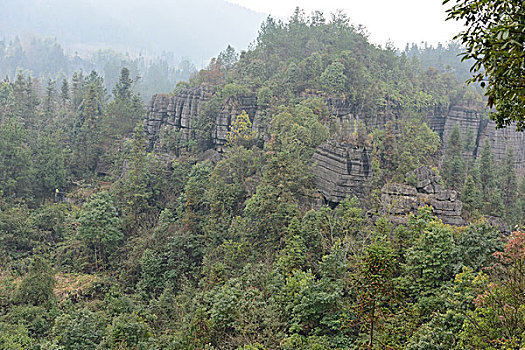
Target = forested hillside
(200,223)
(46,60)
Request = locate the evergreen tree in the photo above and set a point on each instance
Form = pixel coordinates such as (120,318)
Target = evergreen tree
(486,168)
(25,101)
(376,292)
(77,89)
(453,168)
(122,90)
(123,113)
(492,197)
(96,80)
(64,94)
(86,147)
(508,183)
(227,58)
(6,99)
(50,100)
(49,162)
(293,256)
(100,228)
(471,195)
(141,190)
(16,171)
(333,78)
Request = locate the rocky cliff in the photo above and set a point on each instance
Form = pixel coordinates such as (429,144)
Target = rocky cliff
(472,124)
(176,112)
(342,170)
(399,200)
(180,113)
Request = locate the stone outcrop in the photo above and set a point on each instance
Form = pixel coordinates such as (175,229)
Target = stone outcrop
(398,200)
(342,170)
(442,121)
(481,129)
(180,113)
(176,112)
(229,111)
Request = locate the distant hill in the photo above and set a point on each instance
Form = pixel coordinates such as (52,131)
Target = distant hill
(196,29)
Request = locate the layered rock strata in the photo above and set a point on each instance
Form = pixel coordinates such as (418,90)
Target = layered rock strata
(399,200)
(229,111)
(177,112)
(181,111)
(342,170)
(481,129)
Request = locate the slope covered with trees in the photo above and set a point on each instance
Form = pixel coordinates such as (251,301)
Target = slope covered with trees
(45,58)
(104,245)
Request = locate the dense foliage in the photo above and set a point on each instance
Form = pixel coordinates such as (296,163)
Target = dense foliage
(104,245)
(493,39)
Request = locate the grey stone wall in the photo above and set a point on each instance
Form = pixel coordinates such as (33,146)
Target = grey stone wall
(179,112)
(399,200)
(342,170)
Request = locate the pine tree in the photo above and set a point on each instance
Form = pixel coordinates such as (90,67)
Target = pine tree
(123,113)
(25,101)
(100,228)
(6,99)
(492,196)
(333,79)
(50,99)
(293,256)
(508,183)
(77,89)
(16,172)
(453,168)
(122,90)
(471,195)
(486,168)
(96,80)
(143,188)
(64,94)
(50,170)
(86,147)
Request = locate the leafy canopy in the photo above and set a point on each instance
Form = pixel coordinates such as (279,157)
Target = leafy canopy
(494,39)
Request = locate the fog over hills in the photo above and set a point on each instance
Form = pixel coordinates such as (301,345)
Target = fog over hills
(196,29)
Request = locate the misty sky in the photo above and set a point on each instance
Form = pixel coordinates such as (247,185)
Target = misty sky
(400,21)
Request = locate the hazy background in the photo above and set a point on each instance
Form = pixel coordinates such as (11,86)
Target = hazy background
(165,41)
(400,21)
(194,29)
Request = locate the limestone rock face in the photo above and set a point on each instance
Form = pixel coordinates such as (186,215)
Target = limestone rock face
(442,121)
(230,110)
(342,170)
(180,112)
(173,112)
(398,200)
(471,122)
